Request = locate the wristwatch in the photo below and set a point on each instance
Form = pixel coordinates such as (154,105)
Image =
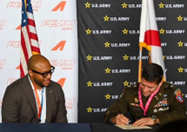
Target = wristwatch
(154,118)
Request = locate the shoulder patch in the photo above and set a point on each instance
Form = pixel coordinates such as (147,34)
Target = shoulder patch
(177,91)
(180,99)
(178,94)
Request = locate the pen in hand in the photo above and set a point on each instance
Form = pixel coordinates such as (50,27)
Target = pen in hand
(128,121)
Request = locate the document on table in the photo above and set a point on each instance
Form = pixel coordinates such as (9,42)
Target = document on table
(131,127)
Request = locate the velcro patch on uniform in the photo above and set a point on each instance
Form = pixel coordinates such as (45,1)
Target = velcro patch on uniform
(179,95)
(179,98)
(177,91)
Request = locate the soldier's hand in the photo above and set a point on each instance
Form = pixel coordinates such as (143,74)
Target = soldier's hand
(144,121)
(120,120)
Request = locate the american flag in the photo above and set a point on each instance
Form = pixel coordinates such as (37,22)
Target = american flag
(29,38)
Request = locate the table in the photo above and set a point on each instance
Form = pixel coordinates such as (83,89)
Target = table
(65,127)
(48,127)
(102,127)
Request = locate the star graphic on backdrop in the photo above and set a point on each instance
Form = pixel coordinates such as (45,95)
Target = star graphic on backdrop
(164,57)
(89,58)
(126,57)
(162,31)
(125,31)
(107,70)
(89,84)
(124,5)
(126,83)
(106,18)
(89,110)
(179,18)
(108,96)
(161,5)
(107,44)
(88,31)
(180,69)
(87,5)
(180,44)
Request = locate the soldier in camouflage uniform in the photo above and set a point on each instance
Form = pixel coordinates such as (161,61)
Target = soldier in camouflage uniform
(150,102)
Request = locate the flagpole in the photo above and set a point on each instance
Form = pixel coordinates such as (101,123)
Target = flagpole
(141,38)
(140,64)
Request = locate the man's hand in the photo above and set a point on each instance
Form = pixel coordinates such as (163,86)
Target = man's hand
(144,121)
(120,120)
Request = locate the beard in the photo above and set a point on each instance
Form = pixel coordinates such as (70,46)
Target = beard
(39,83)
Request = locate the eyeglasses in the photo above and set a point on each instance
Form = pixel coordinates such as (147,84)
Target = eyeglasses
(44,75)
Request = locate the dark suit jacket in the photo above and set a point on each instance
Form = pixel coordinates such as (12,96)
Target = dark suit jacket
(19,103)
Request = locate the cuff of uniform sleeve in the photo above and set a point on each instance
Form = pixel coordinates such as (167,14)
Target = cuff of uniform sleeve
(109,116)
(163,118)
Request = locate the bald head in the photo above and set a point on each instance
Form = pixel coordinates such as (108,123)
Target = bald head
(36,60)
(40,71)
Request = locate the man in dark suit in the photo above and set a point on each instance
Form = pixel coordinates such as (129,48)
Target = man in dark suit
(35,98)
